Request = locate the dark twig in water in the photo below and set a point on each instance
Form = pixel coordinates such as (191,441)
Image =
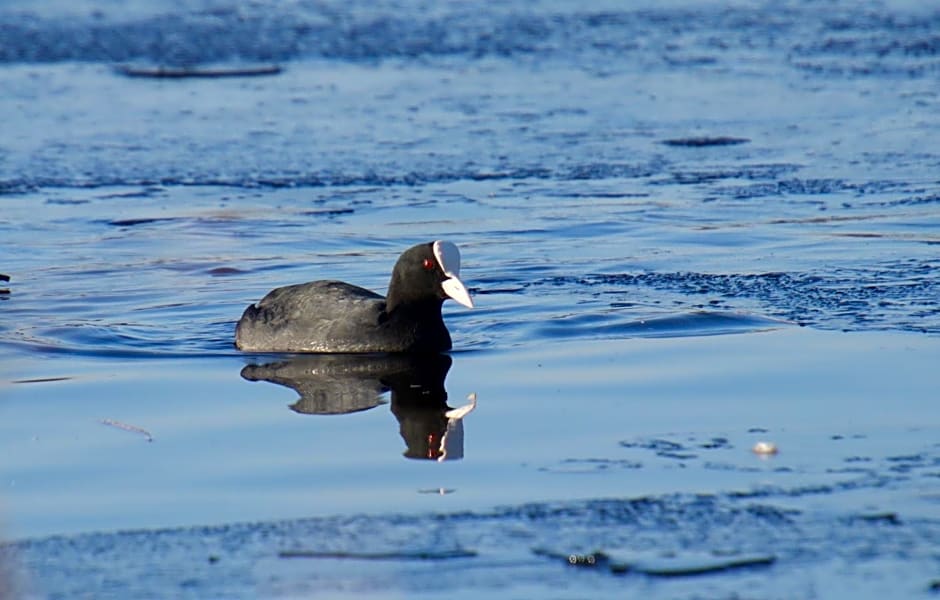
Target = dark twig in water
(126,427)
(402,555)
(184,72)
(701,142)
(42,380)
(678,566)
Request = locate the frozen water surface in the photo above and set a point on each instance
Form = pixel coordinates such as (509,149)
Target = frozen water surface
(687,229)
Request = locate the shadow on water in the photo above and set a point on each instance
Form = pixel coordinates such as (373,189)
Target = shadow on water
(336,384)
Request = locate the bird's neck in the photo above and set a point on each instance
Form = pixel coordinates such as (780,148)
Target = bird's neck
(402,297)
(418,308)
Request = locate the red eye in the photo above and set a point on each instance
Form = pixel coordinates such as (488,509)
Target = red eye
(428,264)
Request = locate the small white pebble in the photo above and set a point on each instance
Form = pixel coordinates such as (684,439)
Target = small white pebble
(764,448)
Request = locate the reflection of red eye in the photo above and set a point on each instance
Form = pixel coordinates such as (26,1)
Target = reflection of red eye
(428,264)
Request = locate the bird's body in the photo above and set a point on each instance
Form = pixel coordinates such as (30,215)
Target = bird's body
(338,317)
(332,316)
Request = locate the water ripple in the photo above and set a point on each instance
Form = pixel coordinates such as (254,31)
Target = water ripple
(834,40)
(862,298)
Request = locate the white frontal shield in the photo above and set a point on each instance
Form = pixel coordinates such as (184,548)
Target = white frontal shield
(448,257)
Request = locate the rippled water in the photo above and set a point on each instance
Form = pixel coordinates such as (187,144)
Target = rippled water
(687,229)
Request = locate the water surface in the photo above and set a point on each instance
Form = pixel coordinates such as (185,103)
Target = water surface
(687,229)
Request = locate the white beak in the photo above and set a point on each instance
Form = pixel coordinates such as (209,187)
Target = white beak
(448,256)
(455,289)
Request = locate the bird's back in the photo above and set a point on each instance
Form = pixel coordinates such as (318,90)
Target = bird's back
(320,316)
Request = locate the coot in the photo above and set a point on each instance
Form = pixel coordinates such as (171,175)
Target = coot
(332,316)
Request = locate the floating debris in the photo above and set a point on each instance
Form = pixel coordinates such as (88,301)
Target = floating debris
(589,560)
(888,518)
(701,142)
(687,566)
(765,448)
(398,555)
(328,212)
(42,380)
(126,427)
(141,221)
(681,565)
(208,72)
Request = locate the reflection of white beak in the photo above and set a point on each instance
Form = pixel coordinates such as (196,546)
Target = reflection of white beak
(452,442)
(455,289)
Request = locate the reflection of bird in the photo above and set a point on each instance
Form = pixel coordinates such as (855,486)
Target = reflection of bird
(331,383)
(432,432)
(332,316)
(4,278)
(344,383)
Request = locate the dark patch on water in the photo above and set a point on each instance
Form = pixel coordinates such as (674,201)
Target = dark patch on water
(825,187)
(885,518)
(717,173)
(911,201)
(140,221)
(396,555)
(60,201)
(591,465)
(704,142)
(716,443)
(225,271)
(42,380)
(785,187)
(662,448)
(335,212)
(331,178)
(862,44)
(687,449)
(189,72)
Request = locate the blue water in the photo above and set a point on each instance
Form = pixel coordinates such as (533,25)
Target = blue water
(687,228)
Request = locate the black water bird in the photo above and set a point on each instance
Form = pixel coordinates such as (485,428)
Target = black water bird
(337,317)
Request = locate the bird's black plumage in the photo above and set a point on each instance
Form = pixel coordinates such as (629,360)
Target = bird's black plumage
(332,316)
